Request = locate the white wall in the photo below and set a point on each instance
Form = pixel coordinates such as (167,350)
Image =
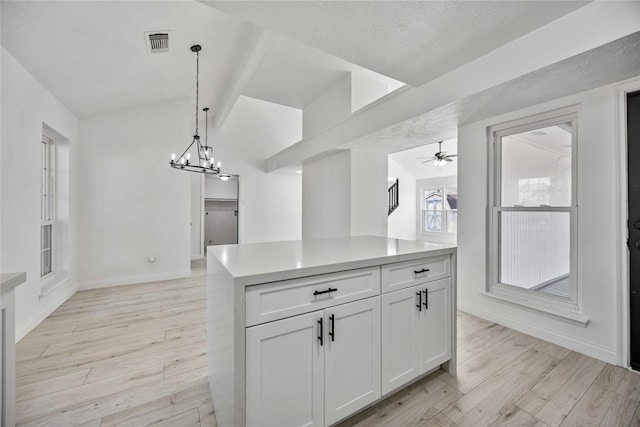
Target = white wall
(345,194)
(26,106)
(596,229)
(215,188)
(402,222)
(197,249)
(326,196)
(270,204)
(332,106)
(369,195)
(133,205)
(365,89)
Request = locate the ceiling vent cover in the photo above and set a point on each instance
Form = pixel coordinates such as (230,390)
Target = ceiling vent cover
(157,41)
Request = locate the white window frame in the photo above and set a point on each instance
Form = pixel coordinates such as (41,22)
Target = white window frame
(421,211)
(568,308)
(48,205)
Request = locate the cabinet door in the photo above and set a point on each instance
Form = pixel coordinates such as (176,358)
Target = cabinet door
(400,337)
(352,358)
(435,324)
(285,373)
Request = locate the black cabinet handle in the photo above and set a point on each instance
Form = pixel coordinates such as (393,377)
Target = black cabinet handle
(326,291)
(332,327)
(419,294)
(426,299)
(320,332)
(424,270)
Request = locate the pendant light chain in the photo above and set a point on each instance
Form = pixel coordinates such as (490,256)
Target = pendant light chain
(197,87)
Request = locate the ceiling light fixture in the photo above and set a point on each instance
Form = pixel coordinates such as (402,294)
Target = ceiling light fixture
(205,162)
(440,158)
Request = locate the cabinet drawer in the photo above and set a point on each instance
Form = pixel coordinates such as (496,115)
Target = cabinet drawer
(410,273)
(273,301)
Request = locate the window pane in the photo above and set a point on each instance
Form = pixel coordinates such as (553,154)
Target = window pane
(535,251)
(433,210)
(536,167)
(452,198)
(452,222)
(433,221)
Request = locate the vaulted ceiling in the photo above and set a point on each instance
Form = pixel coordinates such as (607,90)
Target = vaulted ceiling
(92,56)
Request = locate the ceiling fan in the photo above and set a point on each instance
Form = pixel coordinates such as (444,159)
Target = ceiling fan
(440,158)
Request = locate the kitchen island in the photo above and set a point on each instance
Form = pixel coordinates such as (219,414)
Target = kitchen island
(311,332)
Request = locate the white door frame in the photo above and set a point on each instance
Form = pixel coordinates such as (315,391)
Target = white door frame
(622,251)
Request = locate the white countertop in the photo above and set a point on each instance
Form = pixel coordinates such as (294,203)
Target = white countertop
(260,262)
(9,281)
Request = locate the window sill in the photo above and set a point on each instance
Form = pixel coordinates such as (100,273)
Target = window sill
(550,310)
(50,284)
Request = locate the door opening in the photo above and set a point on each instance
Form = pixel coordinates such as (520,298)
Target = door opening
(633,179)
(221,211)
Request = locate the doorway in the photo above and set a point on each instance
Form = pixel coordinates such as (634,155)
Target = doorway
(221,211)
(633,179)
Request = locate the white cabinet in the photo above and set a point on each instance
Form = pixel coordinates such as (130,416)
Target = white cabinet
(352,358)
(400,338)
(435,324)
(314,369)
(416,332)
(285,373)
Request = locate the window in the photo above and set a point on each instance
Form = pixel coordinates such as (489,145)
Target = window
(47,206)
(533,211)
(440,210)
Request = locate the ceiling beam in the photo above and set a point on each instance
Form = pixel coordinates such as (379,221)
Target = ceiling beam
(260,45)
(564,38)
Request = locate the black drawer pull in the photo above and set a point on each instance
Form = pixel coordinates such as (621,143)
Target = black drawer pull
(426,299)
(326,291)
(320,332)
(332,327)
(424,270)
(419,294)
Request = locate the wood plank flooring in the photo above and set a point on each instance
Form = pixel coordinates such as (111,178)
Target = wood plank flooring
(136,356)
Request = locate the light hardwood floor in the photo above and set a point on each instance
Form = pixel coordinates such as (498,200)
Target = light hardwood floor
(135,356)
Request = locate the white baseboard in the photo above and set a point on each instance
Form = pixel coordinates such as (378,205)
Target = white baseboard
(571,343)
(51,302)
(130,280)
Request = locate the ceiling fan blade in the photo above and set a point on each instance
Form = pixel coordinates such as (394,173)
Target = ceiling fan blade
(452,155)
(430,160)
(447,159)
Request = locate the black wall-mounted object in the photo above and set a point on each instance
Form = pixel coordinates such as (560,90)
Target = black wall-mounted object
(633,185)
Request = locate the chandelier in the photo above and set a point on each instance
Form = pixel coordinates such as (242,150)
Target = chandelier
(205,162)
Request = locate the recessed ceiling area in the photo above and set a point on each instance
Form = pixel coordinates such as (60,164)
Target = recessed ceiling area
(410,160)
(410,41)
(294,74)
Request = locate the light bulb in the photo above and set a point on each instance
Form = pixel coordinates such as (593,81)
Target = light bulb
(219,164)
(182,160)
(224,177)
(205,164)
(188,156)
(173,156)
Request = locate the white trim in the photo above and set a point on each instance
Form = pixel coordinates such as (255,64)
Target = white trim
(27,326)
(551,310)
(566,309)
(601,353)
(49,286)
(622,253)
(130,280)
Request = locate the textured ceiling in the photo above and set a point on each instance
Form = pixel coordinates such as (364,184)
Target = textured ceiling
(410,41)
(609,63)
(92,56)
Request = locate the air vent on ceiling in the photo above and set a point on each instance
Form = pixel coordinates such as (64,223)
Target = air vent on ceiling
(157,41)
